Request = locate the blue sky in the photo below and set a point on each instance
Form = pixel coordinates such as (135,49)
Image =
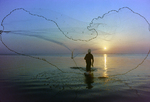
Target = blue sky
(83,11)
(78,9)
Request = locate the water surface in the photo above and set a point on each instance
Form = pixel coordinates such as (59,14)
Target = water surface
(27,79)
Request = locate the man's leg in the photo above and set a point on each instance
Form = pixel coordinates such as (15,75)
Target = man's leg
(88,66)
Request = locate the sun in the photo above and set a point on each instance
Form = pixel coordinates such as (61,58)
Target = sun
(105,48)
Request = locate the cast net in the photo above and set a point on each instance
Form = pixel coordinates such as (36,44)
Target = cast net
(57,44)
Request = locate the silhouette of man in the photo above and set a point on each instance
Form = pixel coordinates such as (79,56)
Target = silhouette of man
(89,57)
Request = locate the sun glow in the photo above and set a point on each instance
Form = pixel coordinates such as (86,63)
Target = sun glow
(105,48)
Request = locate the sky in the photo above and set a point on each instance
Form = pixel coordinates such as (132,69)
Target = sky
(75,25)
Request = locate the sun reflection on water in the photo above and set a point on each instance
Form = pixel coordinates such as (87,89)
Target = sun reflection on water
(105,66)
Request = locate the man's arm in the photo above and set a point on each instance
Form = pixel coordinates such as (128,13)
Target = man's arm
(92,61)
(85,57)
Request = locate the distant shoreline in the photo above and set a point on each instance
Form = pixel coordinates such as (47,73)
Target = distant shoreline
(69,54)
(1,31)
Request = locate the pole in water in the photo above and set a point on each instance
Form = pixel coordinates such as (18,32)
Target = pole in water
(72,55)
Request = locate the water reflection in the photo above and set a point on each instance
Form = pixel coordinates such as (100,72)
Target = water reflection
(89,79)
(105,66)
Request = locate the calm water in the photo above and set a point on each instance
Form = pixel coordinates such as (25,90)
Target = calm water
(115,78)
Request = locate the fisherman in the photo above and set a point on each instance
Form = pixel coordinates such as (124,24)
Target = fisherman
(89,60)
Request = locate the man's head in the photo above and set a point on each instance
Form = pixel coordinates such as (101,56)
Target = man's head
(89,50)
